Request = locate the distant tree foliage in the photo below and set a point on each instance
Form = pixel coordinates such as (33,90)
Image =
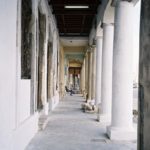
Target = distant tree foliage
(26,39)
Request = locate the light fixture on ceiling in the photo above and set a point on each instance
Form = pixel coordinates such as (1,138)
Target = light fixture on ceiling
(76,7)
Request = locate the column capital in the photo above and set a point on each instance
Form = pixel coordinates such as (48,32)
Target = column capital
(90,48)
(125,4)
(116,2)
(93,49)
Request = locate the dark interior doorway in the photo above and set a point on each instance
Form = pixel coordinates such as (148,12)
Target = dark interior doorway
(74,78)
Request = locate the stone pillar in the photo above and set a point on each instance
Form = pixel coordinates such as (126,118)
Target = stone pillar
(90,75)
(50,75)
(86,75)
(42,78)
(121,127)
(106,90)
(98,70)
(82,78)
(61,74)
(55,65)
(44,86)
(93,73)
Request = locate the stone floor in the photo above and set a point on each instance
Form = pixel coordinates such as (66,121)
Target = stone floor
(71,129)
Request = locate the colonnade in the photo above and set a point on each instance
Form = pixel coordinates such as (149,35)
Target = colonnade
(108,74)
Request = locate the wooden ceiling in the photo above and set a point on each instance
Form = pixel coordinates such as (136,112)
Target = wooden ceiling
(74,22)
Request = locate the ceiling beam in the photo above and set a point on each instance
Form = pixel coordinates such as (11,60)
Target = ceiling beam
(75,3)
(114,2)
(78,4)
(74,12)
(83,21)
(64,23)
(74,27)
(74,22)
(74,34)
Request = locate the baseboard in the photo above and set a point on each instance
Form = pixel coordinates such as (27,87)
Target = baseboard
(25,132)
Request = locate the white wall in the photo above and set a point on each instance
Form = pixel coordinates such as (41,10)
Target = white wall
(8,12)
(14,92)
(17,125)
(23,85)
(24,97)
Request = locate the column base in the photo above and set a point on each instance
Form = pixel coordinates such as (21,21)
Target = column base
(46,109)
(121,134)
(104,118)
(93,101)
(85,95)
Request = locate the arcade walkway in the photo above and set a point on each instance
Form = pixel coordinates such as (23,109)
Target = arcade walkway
(71,129)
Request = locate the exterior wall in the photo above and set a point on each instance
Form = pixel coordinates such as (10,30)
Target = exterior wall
(15,93)
(24,133)
(23,88)
(51,36)
(62,73)
(7,72)
(53,102)
(18,96)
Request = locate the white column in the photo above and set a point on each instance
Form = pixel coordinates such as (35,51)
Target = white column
(82,78)
(86,75)
(106,90)
(50,75)
(98,70)
(121,127)
(93,73)
(90,75)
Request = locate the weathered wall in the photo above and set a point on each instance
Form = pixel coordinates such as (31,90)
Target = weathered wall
(61,75)
(55,98)
(42,61)
(14,107)
(18,116)
(144,78)
(48,37)
(26,39)
(49,72)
